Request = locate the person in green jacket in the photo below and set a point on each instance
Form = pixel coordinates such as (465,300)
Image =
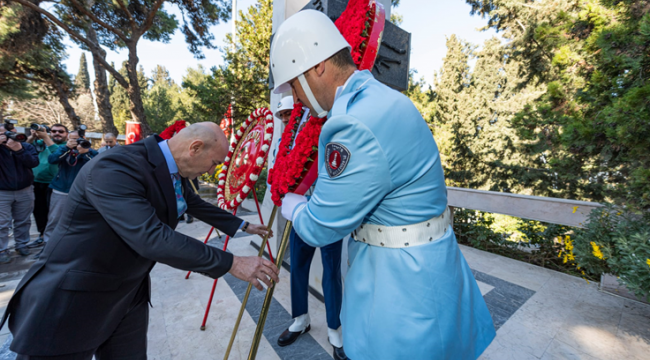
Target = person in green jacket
(45,144)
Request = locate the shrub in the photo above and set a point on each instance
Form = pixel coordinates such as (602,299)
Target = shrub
(618,243)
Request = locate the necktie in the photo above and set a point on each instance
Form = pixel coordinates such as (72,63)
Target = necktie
(181,205)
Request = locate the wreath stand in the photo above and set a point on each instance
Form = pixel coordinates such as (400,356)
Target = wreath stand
(242,166)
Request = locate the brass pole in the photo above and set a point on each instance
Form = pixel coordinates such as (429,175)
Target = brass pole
(248,290)
(269,295)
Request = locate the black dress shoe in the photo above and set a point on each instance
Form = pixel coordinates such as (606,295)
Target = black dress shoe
(339,354)
(289,337)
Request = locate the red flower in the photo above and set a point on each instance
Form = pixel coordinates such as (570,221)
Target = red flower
(290,164)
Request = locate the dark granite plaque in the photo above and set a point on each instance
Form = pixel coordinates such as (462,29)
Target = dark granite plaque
(392,64)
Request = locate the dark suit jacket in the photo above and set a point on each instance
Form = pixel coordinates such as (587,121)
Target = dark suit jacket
(118,222)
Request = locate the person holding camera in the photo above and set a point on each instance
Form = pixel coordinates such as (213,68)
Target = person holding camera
(16,196)
(70,158)
(46,141)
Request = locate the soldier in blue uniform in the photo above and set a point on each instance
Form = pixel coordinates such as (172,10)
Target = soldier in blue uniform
(301,256)
(409,292)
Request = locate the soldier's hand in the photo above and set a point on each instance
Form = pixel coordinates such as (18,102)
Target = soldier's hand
(261,230)
(254,269)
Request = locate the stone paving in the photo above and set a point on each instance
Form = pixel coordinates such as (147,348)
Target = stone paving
(539,313)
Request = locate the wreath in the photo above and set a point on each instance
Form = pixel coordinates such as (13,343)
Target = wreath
(177,126)
(361,24)
(293,164)
(245,160)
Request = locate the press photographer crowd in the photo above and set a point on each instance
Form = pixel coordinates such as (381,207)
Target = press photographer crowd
(36,173)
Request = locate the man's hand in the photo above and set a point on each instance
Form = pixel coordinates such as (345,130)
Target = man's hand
(254,269)
(3,138)
(14,145)
(71,144)
(261,230)
(32,136)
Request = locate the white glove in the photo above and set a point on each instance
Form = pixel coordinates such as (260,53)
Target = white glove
(290,202)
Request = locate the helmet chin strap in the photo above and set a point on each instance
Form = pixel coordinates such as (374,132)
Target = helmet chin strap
(320,113)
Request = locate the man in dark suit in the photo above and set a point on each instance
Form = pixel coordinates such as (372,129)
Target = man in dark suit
(88,293)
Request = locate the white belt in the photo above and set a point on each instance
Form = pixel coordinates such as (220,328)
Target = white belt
(405,235)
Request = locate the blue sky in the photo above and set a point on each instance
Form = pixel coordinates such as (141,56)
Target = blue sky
(429,22)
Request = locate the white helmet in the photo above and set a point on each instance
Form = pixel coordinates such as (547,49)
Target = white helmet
(285,104)
(302,41)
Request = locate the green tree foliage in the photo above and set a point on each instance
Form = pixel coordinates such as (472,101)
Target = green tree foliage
(453,115)
(243,77)
(588,129)
(189,104)
(82,81)
(161,102)
(31,52)
(119,24)
(120,100)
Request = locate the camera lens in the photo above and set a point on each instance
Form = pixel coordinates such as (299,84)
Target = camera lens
(16,136)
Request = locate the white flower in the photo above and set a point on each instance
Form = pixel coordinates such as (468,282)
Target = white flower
(238,199)
(259,161)
(239,133)
(231,149)
(254,177)
(226,159)
(269,117)
(268,136)
(265,148)
(246,189)
(221,182)
(222,175)
(224,168)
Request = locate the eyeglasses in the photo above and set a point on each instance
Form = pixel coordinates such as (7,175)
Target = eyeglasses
(58,131)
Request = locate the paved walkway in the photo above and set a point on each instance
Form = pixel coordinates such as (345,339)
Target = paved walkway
(540,314)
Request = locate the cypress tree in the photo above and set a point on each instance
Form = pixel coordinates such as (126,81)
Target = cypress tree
(82,81)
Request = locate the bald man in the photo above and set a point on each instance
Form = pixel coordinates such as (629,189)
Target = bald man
(110,141)
(88,293)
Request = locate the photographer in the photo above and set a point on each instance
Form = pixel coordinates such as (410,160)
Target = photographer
(70,158)
(45,145)
(16,196)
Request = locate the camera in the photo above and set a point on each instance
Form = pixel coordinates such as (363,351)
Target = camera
(81,141)
(9,124)
(39,127)
(15,136)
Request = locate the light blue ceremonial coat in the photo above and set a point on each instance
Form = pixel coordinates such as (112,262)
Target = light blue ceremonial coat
(419,302)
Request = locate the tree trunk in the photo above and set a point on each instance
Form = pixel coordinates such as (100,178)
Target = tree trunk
(102,95)
(135,97)
(64,100)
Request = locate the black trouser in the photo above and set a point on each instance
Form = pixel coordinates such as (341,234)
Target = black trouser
(42,194)
(128,341)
